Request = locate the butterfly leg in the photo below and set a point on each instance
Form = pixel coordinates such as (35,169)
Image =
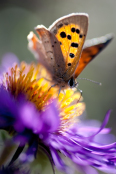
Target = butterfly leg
(59,91)
(52,87)
(47,79)
(76,84)
(80,94)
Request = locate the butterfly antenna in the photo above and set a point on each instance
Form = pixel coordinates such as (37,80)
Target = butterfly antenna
(91,81)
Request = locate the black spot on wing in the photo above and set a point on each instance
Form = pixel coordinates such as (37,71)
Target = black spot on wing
(71,55)
(73,29)
(69,64)
(75,45)
(80,35)
(77,31)
(60,25)
(69,37)
(63,34)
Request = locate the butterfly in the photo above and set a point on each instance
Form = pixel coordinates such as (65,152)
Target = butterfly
(62,48)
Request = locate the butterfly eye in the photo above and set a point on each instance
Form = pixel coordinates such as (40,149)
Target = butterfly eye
(72,83)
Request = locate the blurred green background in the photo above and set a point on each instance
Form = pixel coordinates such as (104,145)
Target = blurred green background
(19,17)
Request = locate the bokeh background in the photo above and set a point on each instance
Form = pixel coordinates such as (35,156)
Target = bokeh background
(19,17)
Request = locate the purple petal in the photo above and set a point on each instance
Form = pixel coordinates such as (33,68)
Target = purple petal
(28,116)
(103,123)
(59,162)
(8,108)
(87,169)
(50,118)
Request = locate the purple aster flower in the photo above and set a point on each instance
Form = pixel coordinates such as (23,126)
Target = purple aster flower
(38,117)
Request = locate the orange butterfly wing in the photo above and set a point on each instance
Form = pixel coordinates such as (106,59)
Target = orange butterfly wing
(70,31)
(91,49)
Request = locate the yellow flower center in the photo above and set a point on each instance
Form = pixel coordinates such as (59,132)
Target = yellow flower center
(30,80)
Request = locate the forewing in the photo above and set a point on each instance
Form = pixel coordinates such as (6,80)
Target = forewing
(36,47)
(53,51)
(91,49)
(70,31)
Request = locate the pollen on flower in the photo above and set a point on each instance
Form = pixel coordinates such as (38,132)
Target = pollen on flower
(70,108)
(29,80)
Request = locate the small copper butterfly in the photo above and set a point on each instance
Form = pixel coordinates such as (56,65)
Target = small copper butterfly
(60,48)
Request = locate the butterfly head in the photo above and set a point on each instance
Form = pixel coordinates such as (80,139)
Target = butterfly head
(72,83)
